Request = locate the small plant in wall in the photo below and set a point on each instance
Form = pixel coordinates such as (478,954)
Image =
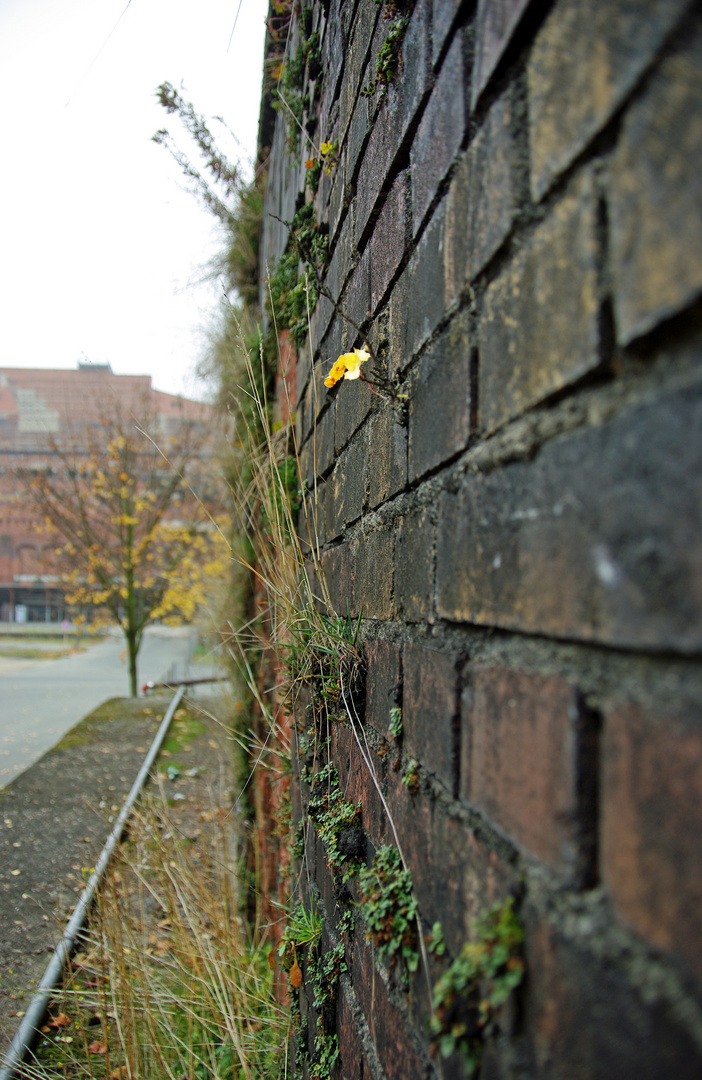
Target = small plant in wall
(389,908)
(469,996)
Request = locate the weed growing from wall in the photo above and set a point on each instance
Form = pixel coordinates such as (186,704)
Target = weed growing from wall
(389,908)
(469,996)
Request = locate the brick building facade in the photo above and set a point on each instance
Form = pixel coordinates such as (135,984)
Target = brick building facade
(39,410)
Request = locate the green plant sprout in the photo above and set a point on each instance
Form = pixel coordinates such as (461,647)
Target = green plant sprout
(395,726)
(468,997)
(389,907)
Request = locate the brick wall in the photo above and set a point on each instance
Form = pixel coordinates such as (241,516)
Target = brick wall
(516,227)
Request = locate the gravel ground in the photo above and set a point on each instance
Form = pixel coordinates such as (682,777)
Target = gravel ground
(56,816)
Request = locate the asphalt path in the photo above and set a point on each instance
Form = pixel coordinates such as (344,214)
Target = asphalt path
(40,700)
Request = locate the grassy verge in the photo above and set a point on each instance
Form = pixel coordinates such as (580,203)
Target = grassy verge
(167,982)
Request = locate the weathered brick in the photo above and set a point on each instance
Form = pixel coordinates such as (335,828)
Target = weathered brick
(414,567)
(357,782)
(339,576)
(382,683)
(386,461)
(496,23)
(417,301)
(387,245)
(430,708)
(651,826)
(354,401)
(597,539)
(378,159)
(373,555)
(655,207)
(538,329)
(525,763)
(481,201)
(442,19)
(348,483)
(585,61)
(440,401)
(412,81)
(399,1057)
(439,135)
(588,1023)
(350,1046)
(356,300)
(355,58)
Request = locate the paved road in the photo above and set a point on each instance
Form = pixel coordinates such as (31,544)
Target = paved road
(40,700)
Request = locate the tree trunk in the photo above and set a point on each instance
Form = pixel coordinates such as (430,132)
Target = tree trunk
(133,649)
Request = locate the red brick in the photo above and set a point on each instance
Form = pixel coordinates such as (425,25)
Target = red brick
(398,1057)
(651,826)
(382,682)
(588,1023)
(357,781)
(522,762)
(496,23)
(350,1046)
(429,708)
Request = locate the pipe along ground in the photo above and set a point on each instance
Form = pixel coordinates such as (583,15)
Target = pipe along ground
(32,1019)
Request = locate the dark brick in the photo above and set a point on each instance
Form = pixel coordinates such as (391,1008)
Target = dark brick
(496,23)
(351,1049)
(338,572)
(378,159)
(399,1058)
(467,877)
(382,684)
(442,19)
(348,483)
(417,301)
(354,401)
(481,201)
(373,555)
(386,462)
(429,708)
(585,61)
(439,135)
(388,241)
(359,785)
(439,403)
(355,58)
(523,768)
(414,567)
(356,301)
(655,202)
(539,325)
(411,84)
(588,1023)
(410,827)
(651,826)
(598,539)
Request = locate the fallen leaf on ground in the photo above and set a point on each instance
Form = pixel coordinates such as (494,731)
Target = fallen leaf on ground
(97,1047)
(59,1021)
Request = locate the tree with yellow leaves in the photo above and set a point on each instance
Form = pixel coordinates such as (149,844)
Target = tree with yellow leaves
(133,505)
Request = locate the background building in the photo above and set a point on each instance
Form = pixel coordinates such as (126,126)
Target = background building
(40,412)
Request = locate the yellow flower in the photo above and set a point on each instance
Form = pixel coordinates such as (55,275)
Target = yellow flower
(326,147)
(348,366)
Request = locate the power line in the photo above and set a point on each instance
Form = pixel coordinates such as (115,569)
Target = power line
(93,62)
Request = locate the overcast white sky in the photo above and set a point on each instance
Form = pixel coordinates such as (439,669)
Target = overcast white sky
(101,246)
